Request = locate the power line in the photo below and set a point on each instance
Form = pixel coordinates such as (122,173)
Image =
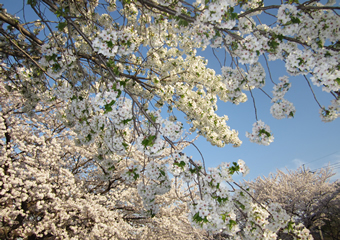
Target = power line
(321,158)
(333,166)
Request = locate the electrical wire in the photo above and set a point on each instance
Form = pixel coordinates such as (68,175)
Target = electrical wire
(333,166)
(320,158)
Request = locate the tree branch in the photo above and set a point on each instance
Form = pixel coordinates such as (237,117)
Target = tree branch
(15,23)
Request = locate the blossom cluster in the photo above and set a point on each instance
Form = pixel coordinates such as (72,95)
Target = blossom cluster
(111,42)
(150,140)
(217,209)
(56,62)
(286,12)
(256,76)
(261,134)
(249,49)
(180,164)
(216,12)
(235,81)
(158,184)
(132,173)
(281,107)
(330,114)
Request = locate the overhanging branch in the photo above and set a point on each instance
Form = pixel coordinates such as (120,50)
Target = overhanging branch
(15,23)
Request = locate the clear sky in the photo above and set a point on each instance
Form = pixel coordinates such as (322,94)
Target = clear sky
(305,139)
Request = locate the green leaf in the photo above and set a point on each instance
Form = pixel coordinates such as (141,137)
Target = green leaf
(52,57)
(319,42)
(10,28)
(327,54)
(295,20)
(183,22)
(112,168)
(290,226)
(280,37)
(153,118)
(125,121)
(232,223)
(67,9)
(33,3)
(110,63)
(59,12)
(151,213)
(118,90)
(62,12)
(62,25)
(148,141)
(125,145)
(116,71)
(162,172)
(109,44)
(273,45)
(220,200)
(338,80)
(199,219)
(88,137)
(56,67)
(108,107)
(234,46)
(292,1)
(126,2)
(123,83)
(180,164)
(301,61)
(265,132)
(74,97)
(234,16)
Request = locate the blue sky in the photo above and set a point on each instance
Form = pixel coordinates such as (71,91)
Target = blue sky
(305,139)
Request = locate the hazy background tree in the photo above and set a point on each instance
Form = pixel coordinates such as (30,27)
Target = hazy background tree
(310,197)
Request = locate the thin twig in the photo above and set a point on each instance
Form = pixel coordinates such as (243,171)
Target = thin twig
(251,94)
(270,75)
(200,154)
(310,87)
(213,50)
(25,53)
(252,197)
